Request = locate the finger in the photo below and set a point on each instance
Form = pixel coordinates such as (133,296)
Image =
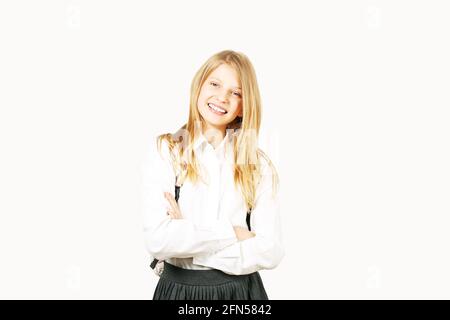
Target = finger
(174,206)
(171,214)
(170,207)
(168,197)
(174,216)
(171,199)
(169,211)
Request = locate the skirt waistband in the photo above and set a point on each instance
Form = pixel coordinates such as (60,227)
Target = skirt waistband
(198,277)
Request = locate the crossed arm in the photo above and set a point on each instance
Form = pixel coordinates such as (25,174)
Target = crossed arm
(217,244)
(173,210)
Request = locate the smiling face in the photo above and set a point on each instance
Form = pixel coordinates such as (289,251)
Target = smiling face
(220,99)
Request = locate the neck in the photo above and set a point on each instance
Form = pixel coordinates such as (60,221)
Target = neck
(214,135)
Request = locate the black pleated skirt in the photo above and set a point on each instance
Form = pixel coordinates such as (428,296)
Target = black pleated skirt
(176,283)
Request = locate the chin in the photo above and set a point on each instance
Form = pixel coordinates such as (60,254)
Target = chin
(215,123)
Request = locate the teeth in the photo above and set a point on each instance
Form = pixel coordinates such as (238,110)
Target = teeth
(216,108)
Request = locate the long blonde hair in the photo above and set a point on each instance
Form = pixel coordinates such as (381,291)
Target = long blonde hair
(247,155)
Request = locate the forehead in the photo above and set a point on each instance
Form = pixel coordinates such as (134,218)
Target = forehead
(226,74)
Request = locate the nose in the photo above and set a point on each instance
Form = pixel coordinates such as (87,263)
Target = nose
(222,96)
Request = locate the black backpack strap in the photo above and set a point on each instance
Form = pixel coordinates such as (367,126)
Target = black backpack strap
(177,193)
(153,264)
(248,220)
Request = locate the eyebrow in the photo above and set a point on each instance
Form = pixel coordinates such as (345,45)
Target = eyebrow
(221,81)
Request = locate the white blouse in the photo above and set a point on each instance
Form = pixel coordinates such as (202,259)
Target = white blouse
(204,238)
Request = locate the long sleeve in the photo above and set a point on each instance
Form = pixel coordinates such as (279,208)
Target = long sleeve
(175,238)
(265,250)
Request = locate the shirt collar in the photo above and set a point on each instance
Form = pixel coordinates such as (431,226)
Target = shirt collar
(201,141)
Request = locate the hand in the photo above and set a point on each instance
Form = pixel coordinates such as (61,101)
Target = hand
(173,210)
(243,233)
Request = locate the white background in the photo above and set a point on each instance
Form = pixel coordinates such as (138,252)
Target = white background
(355,115)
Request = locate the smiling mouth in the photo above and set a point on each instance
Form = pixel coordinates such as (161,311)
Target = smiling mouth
(217,110)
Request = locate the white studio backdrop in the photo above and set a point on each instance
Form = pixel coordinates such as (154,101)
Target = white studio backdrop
(355,116)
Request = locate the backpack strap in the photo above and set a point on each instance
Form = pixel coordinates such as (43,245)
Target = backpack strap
(153,264)
(248,220)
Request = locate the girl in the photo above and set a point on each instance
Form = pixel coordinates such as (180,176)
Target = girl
(211,209)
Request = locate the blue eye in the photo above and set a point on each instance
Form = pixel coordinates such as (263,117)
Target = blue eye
(238,94)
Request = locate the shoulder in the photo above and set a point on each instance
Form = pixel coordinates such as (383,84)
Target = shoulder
(161,145)
(156,165)
(165,146)
(159,152)
(168,147)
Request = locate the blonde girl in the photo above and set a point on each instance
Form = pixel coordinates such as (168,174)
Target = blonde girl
(211,206)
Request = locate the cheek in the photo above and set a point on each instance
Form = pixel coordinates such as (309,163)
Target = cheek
(202,98)
(204,95)
(237,108)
